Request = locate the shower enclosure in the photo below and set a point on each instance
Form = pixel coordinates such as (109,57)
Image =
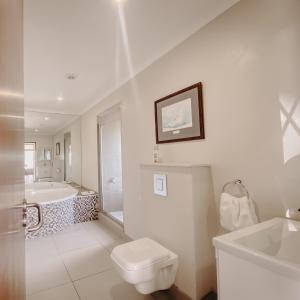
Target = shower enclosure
(110,164)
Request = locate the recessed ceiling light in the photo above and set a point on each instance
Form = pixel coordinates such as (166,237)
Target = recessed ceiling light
(71,76)
(46,118)
(36,130)
(60,98)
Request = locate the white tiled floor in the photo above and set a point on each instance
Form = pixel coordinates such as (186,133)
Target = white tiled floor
(75,265)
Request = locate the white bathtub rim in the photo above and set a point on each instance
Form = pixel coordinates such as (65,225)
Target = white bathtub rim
(50,195)
(52,201)
(45,185)
(47,193)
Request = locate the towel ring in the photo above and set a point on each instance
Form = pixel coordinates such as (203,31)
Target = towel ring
(238,182)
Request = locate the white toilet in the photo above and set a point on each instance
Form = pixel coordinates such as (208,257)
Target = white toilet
(145,264)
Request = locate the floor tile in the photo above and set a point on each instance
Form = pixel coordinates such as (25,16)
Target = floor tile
(64,292)
(73,228)
(88,261)
(40,247)
(107,286)
(115,243)
(68,241)
(45,273)
(104,235)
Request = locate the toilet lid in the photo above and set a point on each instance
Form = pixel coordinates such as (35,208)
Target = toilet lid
(139,254)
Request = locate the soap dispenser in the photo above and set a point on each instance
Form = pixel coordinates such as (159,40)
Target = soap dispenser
(155,154)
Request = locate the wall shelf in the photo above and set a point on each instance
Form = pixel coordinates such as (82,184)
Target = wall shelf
(174,164)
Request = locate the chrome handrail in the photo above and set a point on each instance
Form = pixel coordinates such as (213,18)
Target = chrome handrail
(40,217)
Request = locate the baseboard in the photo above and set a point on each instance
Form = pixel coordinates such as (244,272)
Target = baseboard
(103,218)
(176,293)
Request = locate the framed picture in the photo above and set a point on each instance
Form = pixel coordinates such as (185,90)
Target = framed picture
(57,149)
(179,116)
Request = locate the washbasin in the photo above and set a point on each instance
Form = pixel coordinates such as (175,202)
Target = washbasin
(262,261)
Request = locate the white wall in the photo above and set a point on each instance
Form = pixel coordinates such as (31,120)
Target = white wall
(43,168)
(184,221)
(58,165)
(248,61)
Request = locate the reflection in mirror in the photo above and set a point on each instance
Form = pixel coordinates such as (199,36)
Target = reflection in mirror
(40,154)
(68,157)
(48,155)
(56,155)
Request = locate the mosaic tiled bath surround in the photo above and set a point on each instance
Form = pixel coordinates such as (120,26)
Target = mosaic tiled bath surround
(58,215)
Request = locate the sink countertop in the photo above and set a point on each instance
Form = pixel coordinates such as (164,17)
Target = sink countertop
(274,244)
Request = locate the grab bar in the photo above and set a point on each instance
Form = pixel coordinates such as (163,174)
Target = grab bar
(24,206)
(40,217)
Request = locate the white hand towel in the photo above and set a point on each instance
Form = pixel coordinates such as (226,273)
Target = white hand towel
(236,213)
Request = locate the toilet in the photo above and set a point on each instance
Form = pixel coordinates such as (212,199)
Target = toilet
(146,264)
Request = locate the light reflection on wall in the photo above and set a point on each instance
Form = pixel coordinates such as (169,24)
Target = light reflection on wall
(11,94)
(124,36)
(290,124)
(124,45)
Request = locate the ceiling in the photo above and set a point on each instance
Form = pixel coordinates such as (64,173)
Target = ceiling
(103,42)
(46,123)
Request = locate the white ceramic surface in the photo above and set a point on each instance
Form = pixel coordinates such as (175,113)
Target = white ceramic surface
(146,264)
(44,192)
(260,262)
(274,244)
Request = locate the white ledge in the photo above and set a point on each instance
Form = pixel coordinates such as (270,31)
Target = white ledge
(174,164)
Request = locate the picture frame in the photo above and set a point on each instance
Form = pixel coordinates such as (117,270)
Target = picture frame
(179,116)
(57,149)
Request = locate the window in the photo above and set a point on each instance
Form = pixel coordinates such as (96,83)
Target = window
(70,155)
(29,162)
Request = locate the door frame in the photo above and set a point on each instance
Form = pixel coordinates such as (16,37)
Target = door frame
(113,109)
(66,157)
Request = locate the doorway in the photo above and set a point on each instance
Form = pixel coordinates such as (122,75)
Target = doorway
(29,162)
(67,157)
(110,164)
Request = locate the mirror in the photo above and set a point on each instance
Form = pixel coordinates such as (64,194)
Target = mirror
(44,154)
(40,155)
(57,140)
(48,155)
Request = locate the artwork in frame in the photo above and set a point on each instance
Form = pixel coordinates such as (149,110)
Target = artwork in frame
(57,148)
(179,116)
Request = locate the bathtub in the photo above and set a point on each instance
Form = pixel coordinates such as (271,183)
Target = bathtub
(46,192)
(45,185)
(61,206)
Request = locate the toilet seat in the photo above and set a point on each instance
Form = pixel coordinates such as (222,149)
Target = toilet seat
(139,254)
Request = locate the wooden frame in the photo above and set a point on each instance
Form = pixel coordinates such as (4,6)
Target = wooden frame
(191,107)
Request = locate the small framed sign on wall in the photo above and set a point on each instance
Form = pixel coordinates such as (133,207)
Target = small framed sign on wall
(179,116)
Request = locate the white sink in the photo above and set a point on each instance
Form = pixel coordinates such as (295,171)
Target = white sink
(260,262)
